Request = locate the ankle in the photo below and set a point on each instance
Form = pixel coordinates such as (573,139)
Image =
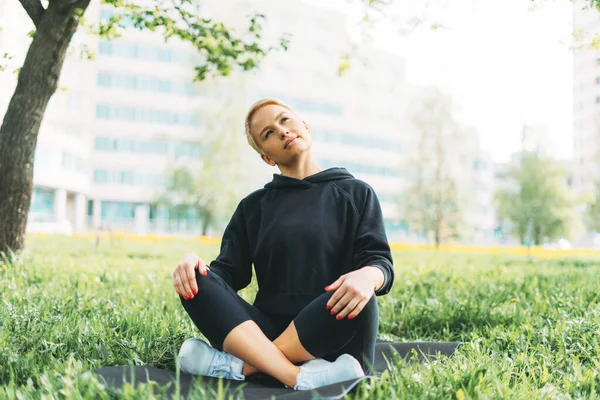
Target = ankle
(292,379)
(248,369)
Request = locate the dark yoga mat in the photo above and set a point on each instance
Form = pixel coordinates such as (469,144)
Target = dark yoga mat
(265,387)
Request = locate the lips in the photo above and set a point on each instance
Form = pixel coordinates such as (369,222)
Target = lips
(288,142)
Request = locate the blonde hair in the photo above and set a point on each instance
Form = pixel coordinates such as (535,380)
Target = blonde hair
(255,107)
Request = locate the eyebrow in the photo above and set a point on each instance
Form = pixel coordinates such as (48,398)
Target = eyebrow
(276,118)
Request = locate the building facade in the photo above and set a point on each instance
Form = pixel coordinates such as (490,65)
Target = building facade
(586,110)
(133,111)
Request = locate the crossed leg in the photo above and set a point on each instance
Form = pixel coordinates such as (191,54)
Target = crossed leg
(249,335)
(248,342)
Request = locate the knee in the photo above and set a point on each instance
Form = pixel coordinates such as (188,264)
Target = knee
(210,280)
(206,285)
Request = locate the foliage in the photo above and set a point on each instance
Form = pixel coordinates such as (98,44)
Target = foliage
(592,214)
(529,327)
(536,201)
(430,202)
(218,45)
(220,49)
(214,186)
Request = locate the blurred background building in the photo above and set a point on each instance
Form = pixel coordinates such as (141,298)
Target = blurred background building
(124,117)
(586,110)
(586,103)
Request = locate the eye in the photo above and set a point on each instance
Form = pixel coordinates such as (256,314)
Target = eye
(284,119)
(268,134)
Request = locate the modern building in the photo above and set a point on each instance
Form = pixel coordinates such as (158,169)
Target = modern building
(586,102)
(125,117)
(586,108)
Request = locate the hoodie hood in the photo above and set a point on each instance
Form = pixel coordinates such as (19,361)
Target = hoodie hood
(332,174)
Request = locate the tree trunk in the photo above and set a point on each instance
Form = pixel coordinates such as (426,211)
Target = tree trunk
(37,82)
(205,225)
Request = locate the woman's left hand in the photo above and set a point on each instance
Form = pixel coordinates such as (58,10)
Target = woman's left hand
(352,292)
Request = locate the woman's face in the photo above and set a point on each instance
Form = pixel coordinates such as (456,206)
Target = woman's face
(280,133)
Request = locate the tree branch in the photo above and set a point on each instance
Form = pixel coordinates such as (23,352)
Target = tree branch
(34,9)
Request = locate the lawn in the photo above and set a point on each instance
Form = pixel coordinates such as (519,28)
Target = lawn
(530,327)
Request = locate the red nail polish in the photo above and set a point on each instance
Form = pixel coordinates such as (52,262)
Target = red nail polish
(338,317)
(185,297)
(328,306)
(332,312)
(195,291)
(326,287)
(351,317)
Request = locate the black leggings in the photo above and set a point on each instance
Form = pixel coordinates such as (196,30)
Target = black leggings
(217,309)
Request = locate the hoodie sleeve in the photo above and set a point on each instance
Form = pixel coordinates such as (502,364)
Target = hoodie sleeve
(234,262)
(371,247)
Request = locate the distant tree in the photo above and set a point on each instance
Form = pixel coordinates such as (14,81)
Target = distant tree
(225,172)
(430,202)
(55,23)
(536,200)
(592,213)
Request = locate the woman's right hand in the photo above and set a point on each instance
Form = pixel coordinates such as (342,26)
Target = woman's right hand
(184,276)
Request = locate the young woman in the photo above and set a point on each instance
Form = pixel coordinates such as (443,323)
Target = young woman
(320,254)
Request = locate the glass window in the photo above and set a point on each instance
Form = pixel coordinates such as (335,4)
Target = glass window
(105,48)
(164,86)
(100,176)
(127,113)
(101,143)
(126,177)
(42,201)
(127,50)
(102,111)
(103,79)
(127,82)
(113,211)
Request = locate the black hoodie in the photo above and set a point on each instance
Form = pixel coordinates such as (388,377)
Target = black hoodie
(301,235)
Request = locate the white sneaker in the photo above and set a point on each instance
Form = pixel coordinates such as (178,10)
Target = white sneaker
(196,357)
(318,372)
(315,362)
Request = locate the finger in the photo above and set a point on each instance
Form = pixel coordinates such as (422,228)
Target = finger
(358,309)
(339,306)
(349,308)
(178,284)
(202,267)
(335,285)
(183,290)
(335,297)
(190,278)
(187,290)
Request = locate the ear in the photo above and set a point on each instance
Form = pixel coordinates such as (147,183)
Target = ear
(266,159)
(307,127)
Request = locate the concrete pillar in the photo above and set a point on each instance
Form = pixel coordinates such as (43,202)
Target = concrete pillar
(60,205)
(80,213)
(142,219)
(96,214)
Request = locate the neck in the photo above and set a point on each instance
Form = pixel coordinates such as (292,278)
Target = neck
(303,167)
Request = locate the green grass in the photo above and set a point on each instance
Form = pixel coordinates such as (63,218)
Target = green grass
(531,328)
